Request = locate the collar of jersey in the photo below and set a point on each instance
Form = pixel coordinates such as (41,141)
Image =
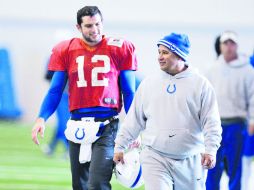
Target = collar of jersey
(91,48)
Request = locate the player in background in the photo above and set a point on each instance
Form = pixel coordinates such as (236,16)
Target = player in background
(176,111)
(248,153)
(99,71)
(232,78)
(62,116)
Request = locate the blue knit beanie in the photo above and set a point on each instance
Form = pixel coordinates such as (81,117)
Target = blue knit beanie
(176,43)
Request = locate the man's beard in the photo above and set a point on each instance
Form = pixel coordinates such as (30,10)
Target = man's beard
(90,40)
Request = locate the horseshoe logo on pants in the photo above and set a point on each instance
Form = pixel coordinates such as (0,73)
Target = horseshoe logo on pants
(82,136)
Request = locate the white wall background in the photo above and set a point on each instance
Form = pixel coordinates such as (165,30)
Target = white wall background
(30,28)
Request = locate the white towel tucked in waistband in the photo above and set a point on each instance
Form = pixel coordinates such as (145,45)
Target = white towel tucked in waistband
(84,132)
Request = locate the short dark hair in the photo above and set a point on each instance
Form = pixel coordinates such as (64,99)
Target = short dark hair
(87,11)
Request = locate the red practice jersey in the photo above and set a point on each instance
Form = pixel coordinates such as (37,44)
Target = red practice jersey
(93,72)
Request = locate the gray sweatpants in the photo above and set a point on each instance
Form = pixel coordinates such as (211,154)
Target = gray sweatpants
(163,173)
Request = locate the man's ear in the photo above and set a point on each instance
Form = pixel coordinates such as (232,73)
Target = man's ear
(78,27)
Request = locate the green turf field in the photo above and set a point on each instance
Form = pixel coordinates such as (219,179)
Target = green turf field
(23,166)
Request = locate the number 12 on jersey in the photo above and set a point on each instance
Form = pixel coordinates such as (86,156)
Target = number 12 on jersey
(80,60)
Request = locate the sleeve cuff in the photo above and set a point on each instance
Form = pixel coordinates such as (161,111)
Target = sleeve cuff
(118,149)
(211,152)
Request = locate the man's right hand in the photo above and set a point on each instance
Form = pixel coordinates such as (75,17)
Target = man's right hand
(118,157)
(39,127)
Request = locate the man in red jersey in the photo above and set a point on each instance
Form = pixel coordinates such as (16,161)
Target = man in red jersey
(99,71)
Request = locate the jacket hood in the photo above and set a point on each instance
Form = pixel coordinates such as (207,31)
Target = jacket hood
(186,73)
(241,61)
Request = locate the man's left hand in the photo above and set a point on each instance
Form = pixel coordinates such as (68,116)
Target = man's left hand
(251,129)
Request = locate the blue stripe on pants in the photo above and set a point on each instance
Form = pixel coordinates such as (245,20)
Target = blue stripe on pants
(229,157)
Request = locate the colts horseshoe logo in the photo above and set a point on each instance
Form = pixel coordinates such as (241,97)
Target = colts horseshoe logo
(82,136)
(171,91)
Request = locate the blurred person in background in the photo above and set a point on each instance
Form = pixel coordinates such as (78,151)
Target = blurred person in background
(99,71)
(232,77)
(248,153)
(176,111)
(63,115)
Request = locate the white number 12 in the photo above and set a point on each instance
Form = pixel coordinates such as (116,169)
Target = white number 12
(94,78)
